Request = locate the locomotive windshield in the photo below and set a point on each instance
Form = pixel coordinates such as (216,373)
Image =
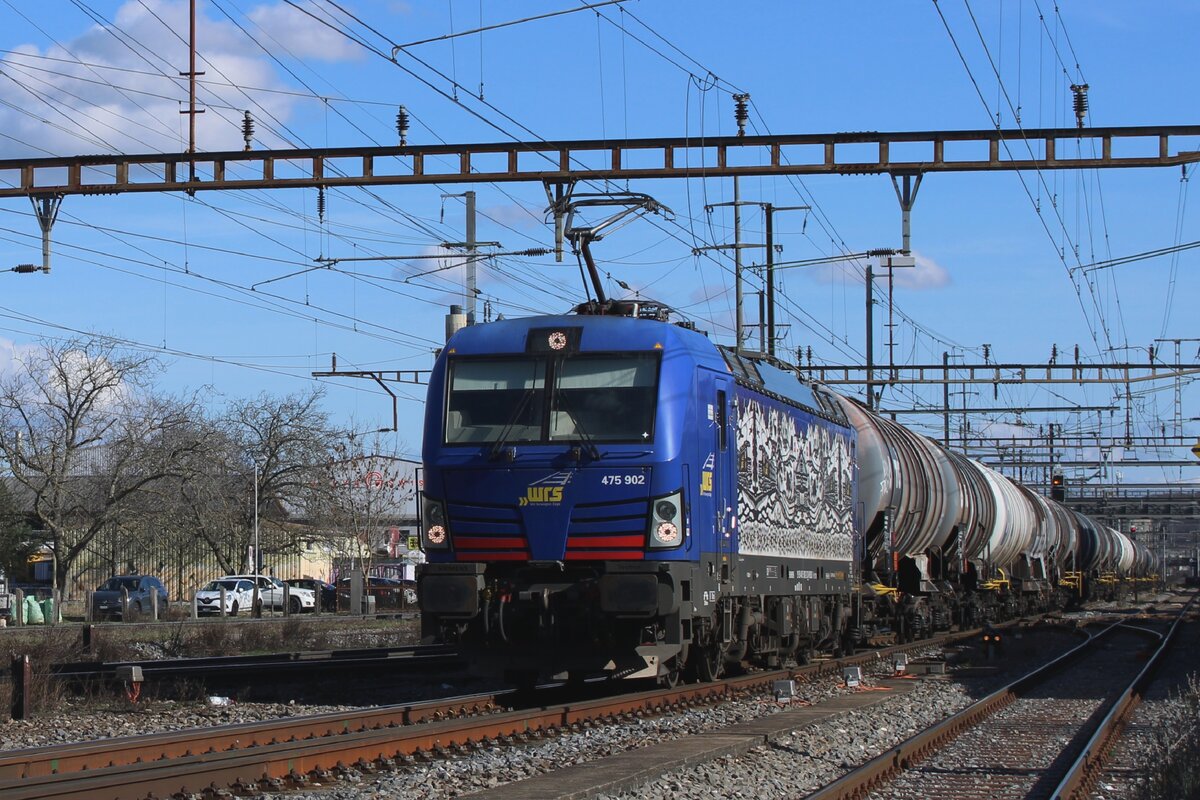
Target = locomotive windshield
(490,399)
(578,397)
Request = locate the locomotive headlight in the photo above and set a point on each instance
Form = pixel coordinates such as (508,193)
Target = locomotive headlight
(434,513)
(433,525)
(666,523)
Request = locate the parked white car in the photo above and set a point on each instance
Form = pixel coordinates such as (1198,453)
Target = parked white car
(271,592)
(239,595)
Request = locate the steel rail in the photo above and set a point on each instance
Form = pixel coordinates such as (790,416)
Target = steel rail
(292,661)
(269,754)
(885,767)
(273,763)
(1083,774)
(37,762)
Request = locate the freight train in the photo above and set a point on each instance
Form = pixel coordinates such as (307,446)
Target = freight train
(614,495)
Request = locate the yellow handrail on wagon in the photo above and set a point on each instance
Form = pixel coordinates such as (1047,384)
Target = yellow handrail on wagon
(995,584)
(1071,580)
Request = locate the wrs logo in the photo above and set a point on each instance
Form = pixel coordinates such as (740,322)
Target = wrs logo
(706,476)
(546,492)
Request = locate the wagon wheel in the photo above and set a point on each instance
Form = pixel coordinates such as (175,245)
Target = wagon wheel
(674,674)
(709,661)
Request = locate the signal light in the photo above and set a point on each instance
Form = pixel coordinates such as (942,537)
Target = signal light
(1058,488)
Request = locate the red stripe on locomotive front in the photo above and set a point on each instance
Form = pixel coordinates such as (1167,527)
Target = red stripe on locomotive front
(635,541)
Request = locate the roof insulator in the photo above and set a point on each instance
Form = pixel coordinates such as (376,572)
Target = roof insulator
(740,114)
(247,129)
(1081,102)
(402,125)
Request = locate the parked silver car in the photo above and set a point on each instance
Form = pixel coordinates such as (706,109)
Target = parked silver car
(108,597)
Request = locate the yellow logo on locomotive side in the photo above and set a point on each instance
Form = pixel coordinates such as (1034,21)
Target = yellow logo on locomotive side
(706,483)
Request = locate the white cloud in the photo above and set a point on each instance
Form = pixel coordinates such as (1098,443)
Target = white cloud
(444,265)
(119,89)
(302,35)
(12,354)
(926,274)
(1008,431)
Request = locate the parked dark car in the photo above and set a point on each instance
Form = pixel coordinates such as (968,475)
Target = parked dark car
(327,592)
(106,600)
(390,593)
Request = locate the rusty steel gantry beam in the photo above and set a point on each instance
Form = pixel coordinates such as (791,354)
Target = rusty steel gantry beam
(940,374)
(896,153)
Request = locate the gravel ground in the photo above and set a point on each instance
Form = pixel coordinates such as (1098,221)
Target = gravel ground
(1132,756)
(805,759)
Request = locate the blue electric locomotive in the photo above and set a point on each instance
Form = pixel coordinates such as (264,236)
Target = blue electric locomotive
(614,495)
(609,494)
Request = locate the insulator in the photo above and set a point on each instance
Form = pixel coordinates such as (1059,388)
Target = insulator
(740,114)
(247,129)
(402,125)
(321,204)
(1053,354)
(26,268)
(1081,102)
(1076,354)
(987,352)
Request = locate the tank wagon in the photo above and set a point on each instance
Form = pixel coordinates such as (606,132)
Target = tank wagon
(616,495)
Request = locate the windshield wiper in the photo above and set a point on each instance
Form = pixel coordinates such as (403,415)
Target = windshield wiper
(560,397)
(502,440)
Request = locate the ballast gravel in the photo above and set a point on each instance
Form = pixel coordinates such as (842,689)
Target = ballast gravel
(787,767)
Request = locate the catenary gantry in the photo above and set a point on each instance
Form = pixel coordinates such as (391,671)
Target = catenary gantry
(896,153)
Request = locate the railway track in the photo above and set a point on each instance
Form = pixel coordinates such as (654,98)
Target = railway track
(1044,735)
(183,667)
(296,751)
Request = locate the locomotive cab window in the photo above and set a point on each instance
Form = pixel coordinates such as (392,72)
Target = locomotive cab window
(494,399)
(604,398)
(722,436)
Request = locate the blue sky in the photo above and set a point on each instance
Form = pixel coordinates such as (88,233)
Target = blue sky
(179,274)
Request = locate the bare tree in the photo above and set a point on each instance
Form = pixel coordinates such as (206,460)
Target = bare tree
(270,448)
(83,435)
(368,487)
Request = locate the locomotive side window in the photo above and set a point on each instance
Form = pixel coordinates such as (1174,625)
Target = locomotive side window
(492,399)
(721,434)
(604,398)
